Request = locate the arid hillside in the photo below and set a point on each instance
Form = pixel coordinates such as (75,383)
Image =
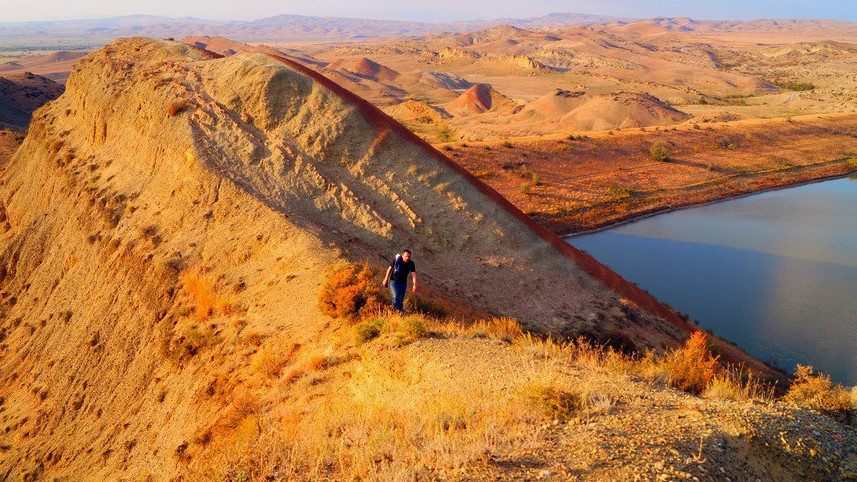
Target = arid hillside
(21,94)
(173,206)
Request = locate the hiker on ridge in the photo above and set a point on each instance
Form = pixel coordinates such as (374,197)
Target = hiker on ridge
(397,278)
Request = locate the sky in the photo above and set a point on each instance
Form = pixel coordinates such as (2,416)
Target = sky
(434,11)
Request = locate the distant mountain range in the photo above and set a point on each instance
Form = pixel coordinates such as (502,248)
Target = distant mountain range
(88,34)
(277,28)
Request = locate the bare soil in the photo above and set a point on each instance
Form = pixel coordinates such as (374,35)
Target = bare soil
(591,181)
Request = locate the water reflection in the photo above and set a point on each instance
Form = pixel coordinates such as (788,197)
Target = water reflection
(776,273)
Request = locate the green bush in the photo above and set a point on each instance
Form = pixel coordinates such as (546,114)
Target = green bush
(796,86)
(367,331)
(660,152)
(412,328)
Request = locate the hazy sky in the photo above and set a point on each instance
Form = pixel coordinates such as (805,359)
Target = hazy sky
(436,10)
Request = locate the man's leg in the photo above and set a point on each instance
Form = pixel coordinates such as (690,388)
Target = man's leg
(398,290)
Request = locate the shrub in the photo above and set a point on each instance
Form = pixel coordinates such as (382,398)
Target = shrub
(692,367)
(349,291)
(660,152)
(526,188)
(367,331)
(796,86)
(412,328)
(508,145)
(815,390)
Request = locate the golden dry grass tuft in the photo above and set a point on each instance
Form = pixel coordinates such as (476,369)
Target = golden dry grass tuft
(815,390)
(737,384)
(201,287)
(271,359)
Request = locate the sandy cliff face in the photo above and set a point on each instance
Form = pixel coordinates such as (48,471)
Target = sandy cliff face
(162,162)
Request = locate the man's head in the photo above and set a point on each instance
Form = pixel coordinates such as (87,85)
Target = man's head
(406,255)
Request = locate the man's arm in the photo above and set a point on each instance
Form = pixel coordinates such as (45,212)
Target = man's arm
(414,274)
(387,276)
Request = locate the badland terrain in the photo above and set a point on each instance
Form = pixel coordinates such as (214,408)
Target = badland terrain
(171,221)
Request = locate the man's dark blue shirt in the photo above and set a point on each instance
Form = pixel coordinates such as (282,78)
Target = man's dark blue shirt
(401,269)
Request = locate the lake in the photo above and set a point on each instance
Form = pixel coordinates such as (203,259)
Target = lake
(775,272)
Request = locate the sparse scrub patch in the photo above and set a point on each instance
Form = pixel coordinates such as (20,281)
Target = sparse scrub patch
(554,402)
(507,329)
(349,291)
(192,341)
(736,384)
(796,86)
(270,360)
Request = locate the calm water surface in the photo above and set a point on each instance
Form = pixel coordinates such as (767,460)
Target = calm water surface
(775,273)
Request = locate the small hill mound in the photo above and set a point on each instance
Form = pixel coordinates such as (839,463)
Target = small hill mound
(620,110)
(413,111)
(550,106)
(372,70)
(434,80)
(479,99)
(21,94)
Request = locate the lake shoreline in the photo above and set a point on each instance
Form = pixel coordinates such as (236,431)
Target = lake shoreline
(655,211)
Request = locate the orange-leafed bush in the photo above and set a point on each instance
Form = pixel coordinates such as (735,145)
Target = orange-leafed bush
(201,287)
(349,291)
(692,367)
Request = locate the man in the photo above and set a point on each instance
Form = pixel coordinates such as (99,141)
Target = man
(397,277)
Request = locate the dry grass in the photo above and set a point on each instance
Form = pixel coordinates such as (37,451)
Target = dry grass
(814,390)
(395,417)
(736,384)
(270,360)
(201,286)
